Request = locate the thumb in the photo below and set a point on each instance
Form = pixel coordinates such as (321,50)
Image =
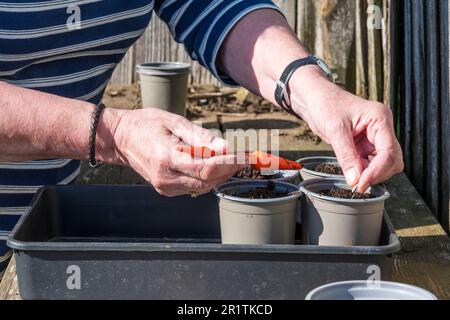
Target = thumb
(348,158)
(195,135)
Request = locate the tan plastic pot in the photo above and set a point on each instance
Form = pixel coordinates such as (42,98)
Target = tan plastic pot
(309,164)
(257,222)
(328,221)
(164,86)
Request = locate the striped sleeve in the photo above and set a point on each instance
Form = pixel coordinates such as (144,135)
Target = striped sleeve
(203,25)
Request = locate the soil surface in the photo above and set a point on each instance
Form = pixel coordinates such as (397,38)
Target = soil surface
(346,194)
(267,192)
(212,98)
(252,174)
(329,168)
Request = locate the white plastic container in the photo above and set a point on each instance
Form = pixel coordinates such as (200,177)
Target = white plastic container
(366,290)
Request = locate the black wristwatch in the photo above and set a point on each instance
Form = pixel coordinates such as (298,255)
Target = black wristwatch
(281,92)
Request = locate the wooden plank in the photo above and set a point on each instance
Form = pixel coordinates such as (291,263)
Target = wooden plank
(445,116)
(387,52)
(372,52)
(425,257)
(361,85)
(9,289)
(306,23)
(124,72)
(432,104)
(406,86)
(393,61)
(327,28)
(418,128)
(289,8)
(374,60)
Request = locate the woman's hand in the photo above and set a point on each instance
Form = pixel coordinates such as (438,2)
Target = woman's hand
(146,140)
(361,132)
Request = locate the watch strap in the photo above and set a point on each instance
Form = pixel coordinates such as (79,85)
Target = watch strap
(281,92)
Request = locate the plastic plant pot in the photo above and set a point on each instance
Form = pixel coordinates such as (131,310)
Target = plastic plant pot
(328,221)
(164,85)
(309,164)
(366,290)
(289,176)
(257,221)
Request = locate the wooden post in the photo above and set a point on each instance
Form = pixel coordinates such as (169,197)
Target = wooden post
(432,103)
(387,51)
(405,59)
(124,73)
(418,126)
(375,58)
(327,28)
(361,87)
(394,65)
(289,8)
(445,117)
(306,23)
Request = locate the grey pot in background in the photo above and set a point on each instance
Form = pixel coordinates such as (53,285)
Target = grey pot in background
(309,164)
(366,290)
(164,85)
(257,222)
(330,221)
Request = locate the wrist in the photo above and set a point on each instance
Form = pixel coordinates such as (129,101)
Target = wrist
(105,142)
(310,89)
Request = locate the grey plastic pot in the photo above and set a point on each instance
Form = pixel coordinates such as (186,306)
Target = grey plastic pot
(257,222)
(309,164)
(164,85)
(366,290)
(328,221)
(289,176)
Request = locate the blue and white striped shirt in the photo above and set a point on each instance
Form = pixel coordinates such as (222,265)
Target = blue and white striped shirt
(43,46)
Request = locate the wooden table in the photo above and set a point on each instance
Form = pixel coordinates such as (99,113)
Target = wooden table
(424,260)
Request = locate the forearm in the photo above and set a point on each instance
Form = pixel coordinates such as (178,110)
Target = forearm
(258,50)
(35,125)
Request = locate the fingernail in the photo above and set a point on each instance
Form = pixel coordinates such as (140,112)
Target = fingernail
(351,176)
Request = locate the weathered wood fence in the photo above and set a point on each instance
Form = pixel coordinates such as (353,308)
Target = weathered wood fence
(157,45)
(334,29)
(420,95)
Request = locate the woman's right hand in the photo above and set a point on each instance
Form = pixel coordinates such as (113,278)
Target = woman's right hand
(146,140)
